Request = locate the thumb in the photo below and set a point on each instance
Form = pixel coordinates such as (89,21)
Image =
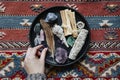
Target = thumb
(43,54)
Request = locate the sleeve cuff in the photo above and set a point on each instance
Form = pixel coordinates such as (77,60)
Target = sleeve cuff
(37,76)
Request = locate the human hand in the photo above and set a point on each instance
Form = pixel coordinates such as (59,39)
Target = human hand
(32,63)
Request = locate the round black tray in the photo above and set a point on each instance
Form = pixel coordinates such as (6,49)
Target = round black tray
(56,10)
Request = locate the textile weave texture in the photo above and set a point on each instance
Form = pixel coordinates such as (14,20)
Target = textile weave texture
(102,61)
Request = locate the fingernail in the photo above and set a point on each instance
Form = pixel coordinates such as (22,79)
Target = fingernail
(40,45)
(46,48)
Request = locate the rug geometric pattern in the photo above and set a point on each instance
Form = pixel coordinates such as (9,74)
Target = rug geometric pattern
(102,61)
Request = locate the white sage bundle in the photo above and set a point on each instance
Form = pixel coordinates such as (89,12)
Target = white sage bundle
(58,31)
(79,42)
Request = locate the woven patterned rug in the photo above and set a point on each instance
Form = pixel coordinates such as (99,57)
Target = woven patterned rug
(103,58)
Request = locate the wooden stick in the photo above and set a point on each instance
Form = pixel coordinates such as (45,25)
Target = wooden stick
(73,23)
(66,22)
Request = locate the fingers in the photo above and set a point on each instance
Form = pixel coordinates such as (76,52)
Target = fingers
(28,51)
(38,54)
(35,50)
(31,52)
(43,54)
(38,47)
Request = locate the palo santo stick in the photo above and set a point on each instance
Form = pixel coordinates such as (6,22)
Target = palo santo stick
(69,29)
(63,22)
(66,22)
(73,23)
(49,36)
